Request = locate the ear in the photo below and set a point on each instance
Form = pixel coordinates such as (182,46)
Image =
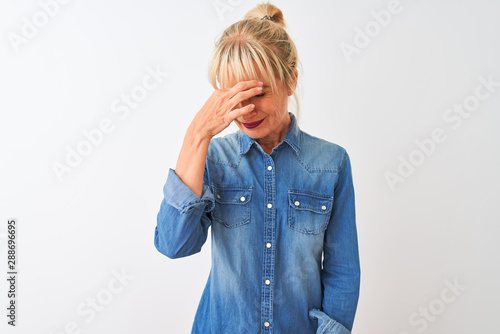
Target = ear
(294,83)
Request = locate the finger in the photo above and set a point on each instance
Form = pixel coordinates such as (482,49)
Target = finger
(235,113)
(245,95)
(242,86)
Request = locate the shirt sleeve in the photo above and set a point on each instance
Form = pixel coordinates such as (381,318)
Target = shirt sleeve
(183,219)
(341,268)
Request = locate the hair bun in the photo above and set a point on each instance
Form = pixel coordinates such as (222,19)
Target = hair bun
(267,11)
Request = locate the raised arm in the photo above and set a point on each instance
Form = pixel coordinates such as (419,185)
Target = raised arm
(182,222)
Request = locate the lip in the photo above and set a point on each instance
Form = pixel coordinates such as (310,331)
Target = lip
(252,125)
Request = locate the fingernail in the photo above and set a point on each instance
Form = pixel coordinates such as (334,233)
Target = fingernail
(261,83)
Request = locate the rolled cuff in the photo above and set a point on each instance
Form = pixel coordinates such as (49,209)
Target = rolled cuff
(181,197)
(327,325)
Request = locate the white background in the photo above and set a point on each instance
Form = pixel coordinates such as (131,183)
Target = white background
(440,225)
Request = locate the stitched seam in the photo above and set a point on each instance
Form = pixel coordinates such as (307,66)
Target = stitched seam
(314,170)
(226,163)
(310,193)
(329,326)
(342,163)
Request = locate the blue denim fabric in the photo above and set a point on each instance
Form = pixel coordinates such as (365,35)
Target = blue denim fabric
(284,243)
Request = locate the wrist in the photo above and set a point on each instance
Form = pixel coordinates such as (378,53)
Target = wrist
(198,137)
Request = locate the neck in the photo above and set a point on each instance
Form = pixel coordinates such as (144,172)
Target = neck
(270,142)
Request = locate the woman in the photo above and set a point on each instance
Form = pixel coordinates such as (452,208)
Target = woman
(277,198)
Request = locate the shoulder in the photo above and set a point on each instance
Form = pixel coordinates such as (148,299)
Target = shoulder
(321,155)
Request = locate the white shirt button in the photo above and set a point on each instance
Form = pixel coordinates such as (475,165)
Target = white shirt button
(269,206)
(268,282)
(242,198)
(323,207)
(266,324)
(269,168)
(268,245)
(297,203)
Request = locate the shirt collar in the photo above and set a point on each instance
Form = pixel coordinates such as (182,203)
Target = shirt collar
(292,138)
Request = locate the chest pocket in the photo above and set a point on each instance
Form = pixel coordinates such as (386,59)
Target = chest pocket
(232,205)
(309,212)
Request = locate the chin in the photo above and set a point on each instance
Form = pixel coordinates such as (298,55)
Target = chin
(254,133)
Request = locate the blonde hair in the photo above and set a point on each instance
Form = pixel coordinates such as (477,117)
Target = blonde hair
(259,38)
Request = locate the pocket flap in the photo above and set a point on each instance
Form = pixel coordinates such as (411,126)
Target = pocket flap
(232,195)
(302,200)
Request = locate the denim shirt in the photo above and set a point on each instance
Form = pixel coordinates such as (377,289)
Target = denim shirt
(284,243)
